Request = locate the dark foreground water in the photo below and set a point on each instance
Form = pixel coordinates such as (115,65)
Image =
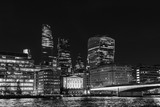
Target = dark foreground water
(82,102)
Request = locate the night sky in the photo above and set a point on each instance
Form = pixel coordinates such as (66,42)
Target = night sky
(135,26)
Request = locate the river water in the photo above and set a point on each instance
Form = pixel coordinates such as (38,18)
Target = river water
(83,102)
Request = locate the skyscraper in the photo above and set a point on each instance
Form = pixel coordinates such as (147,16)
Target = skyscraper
(79,67)
(100,51)
(79,62)
(48,81)
(64,56)
(47,45)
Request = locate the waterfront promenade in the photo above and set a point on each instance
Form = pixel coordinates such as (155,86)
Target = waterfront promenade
(83,102)
(28,96)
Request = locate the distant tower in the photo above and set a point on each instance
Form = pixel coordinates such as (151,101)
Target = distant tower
(79,63)
(47,45)
(64,56)
(100,51)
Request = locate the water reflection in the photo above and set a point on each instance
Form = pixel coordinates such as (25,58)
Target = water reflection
(82,102)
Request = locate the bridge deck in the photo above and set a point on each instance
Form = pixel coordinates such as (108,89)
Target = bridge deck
(128,87)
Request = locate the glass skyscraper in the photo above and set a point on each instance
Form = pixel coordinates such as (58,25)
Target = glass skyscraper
(47,45)
(100,51)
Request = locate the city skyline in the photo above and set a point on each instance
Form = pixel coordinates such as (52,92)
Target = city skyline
(79,53)
(135,28)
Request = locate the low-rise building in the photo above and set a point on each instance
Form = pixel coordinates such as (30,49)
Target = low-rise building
(110,75)
(48,81)
(147,74)
(17,72)
(72,85)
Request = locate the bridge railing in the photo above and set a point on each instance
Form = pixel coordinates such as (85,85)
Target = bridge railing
(131,84)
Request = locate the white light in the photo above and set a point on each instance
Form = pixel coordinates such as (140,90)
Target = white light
(26,51)
(137,70)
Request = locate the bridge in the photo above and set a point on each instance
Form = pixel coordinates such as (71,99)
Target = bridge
(122,88)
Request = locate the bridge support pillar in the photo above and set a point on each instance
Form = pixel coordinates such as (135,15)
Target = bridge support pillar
(130,94)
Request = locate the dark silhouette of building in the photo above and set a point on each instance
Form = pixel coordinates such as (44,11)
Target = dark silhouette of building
(79,66)
(86,81)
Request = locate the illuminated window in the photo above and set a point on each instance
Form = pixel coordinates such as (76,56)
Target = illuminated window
(26,84)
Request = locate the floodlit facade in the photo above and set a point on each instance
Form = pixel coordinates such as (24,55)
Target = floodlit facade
(48,81)
(110,75)
(72,85)
(47,45)
(100,51)
(73,82)
(16,73)
(64,56)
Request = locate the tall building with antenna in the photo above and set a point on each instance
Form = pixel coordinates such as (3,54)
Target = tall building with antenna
(47,45)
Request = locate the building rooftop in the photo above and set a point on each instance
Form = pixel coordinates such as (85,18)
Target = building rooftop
(14,54)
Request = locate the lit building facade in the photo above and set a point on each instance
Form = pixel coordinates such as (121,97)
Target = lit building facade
(147,74)
(48,81)
(72,85)
(110,75)
(100,51)
(47,45)
(64,56)
(16,73)
(38,68)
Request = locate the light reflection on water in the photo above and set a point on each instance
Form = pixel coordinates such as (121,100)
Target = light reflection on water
(82,102)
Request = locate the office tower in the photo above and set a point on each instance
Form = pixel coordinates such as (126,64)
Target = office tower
(110,75)
(147,73)
(100,51)
(48,81)
(16,73)
(79,63)
(64,56)
(79,68)
(47,45)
